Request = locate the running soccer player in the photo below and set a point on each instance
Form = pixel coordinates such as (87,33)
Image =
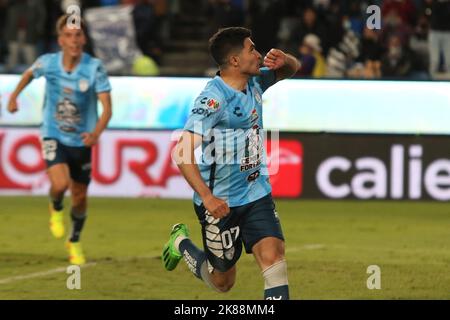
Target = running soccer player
(232,197)
(70,126)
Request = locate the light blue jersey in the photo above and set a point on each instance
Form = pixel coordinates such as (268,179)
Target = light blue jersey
(233,157)
(70,106)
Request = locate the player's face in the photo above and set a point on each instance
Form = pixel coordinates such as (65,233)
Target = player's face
(249,58)
(72,41)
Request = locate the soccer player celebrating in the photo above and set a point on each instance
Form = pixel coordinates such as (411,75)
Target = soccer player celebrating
(70,126)
(232,197)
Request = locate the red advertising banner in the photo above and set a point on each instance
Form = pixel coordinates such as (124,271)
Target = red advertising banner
(128,164)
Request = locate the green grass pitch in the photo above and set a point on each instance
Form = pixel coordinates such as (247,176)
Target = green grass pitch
(329,246)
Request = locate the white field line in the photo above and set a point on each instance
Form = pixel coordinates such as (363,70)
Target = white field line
(91,264)
(41,274)
(63,269)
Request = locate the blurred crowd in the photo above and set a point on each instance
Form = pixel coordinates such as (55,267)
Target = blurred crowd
(27,27)
(330,37)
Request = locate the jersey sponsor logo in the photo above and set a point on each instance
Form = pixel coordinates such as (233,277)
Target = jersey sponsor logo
(237,111)
(83,84)
(254,150)
(68,115)
(213,104)
(250,163)
(252,177)
(201,111)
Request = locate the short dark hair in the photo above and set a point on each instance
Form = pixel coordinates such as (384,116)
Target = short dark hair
(225,41)
(63,20)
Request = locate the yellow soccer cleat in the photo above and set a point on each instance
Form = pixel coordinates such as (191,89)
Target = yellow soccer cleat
(56,223)
(76,255)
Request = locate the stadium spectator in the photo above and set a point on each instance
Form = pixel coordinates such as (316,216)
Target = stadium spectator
(265,17)
(55,9)
(353,17)
(162,15)
(3,9)
(226,13)
(309,24)
(419,45)
(439,36)
(368,63)
(145,28)
(371,48)
(311,59)
(342,57)
(422,25)
(405,9)
(25,23)
(397,61)
(393,24)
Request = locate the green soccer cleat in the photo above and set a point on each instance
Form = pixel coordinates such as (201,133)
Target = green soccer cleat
(170,255)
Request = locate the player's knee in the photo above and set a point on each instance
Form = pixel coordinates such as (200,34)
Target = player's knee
(79,200)
(224,287)
(271,257)
(223,283)
(79,203)
(60,187)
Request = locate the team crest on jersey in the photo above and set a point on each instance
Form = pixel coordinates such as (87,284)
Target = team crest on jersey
(83,84)
(257,96)
(37,65)
(213,104)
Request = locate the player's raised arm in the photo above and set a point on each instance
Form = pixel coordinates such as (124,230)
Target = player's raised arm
(27,77)
(91,138)
(285,65)
(184,157)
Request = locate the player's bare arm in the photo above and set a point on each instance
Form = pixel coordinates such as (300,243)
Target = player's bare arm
(27,77)
(91,138)
(285,65)
(185,159)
